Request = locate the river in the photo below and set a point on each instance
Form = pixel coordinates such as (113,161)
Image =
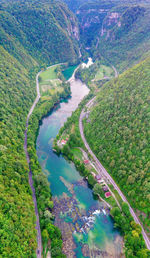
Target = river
(87,228)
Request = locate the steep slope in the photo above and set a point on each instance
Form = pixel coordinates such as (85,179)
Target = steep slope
(119,134)
(117,30)
(32,35)
(91,16)
(74,4)
(18,234)
(125,35)
(47,31)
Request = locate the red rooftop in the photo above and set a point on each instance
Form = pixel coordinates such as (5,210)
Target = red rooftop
(86,161)
(107,195)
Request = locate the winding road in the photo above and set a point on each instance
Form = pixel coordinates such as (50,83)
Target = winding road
(39,239)
(102,171)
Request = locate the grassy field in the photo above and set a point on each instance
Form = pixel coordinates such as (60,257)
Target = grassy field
(49,74)
(104,72)
(49,82)
(77,153)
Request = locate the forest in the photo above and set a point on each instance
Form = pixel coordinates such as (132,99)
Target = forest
(126,39)
(134,242)
(17,220)
(24,51)
(120,135)
(33,35)
(119,31)
(22,34)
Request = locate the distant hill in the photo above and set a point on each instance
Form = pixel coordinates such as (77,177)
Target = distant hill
(117,30)
(125,35)
(119,134)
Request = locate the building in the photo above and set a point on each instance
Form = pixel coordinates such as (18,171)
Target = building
(63,142)
(107,194)
(86,161)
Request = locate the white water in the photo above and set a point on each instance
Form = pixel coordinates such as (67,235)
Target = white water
(89,63)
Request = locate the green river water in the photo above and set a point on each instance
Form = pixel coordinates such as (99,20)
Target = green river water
(67,73)
(87,229)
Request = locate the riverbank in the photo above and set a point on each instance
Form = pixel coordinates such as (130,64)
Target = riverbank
(68,148)
(74,205)
(69,143)
(122,217)
(38,182)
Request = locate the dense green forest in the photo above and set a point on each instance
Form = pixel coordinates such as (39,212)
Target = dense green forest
(24,50)
(117,30)
(46,31)
(17,220)
(120,135)
(34,34)
(133,239)
(51,235)
(125,39)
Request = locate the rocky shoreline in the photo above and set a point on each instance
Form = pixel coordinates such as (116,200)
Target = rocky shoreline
(73,219)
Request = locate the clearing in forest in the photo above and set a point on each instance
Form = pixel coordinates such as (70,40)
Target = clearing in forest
(104,72)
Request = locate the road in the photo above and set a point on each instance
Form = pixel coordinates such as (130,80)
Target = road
(39,239)
(115,70)
(103,171)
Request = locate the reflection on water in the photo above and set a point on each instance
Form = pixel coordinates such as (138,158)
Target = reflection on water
(87,228)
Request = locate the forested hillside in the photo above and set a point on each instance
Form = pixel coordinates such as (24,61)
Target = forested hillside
(117,30)
(35,34)
(32,35)
(125,35)
(118,132)
(17,234)
(46,31)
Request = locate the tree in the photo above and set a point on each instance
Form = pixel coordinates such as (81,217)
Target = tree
(144,253)
(115,212)
(51,230)
(48,214)
(135,233)
(91,180)
(98,189)
(45,235)
(50,204)
(125,209)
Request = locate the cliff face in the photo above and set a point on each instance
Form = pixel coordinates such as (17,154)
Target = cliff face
(117,30)
(120,22)
(124,37)
(111,20)
(91,16)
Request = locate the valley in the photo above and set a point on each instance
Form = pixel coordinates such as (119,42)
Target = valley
(74,137)
(74,141)
(73,215)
